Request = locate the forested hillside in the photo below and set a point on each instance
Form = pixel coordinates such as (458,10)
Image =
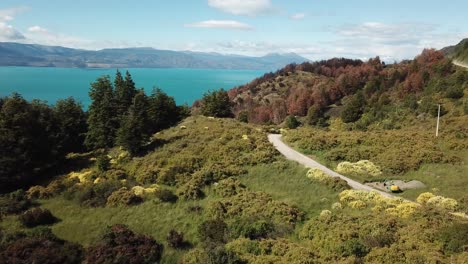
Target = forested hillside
(363,92)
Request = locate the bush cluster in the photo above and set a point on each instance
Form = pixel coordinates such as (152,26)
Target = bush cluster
(121,245)
(175,239)
(360,168)
(123,197)
(14,202)
(335,183)
(165,195)
(42,249)
(37,216)
(94,195)
(229,187)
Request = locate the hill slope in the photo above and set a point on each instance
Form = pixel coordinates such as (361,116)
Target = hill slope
(16,54)
(362,93)
(458,52)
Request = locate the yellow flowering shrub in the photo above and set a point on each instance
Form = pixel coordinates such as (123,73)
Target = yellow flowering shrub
(361,168)
(138,190)
(85,176)
(424,197)
(325,214)
(38,192)
(245,137)
(359,199)
(403,210)
(443,203)
(358,204)
(337,206)
(317,175)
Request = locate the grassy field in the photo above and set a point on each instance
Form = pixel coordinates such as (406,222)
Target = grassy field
(411,153)
(290,185)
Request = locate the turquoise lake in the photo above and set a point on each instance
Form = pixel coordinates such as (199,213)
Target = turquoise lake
(51,84)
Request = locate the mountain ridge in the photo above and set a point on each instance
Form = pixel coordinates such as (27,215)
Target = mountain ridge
(17,54)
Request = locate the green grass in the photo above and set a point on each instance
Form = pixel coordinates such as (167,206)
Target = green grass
(449,180)
(86,225)
(290,184)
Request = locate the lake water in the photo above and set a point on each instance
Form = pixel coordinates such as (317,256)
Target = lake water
(51,84)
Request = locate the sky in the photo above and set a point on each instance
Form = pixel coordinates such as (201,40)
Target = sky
(315,29)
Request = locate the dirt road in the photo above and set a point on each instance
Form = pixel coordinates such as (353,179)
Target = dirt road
(460,64)
(291,154)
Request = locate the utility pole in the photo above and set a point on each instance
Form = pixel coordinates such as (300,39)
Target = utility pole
(438,117)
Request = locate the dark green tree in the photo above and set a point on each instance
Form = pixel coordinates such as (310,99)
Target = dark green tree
(354,108)
(216,103)
(124,92)
(28,137)
(133,132)
(102,120)
(315,116)
(162,111)
(292,122)
(72,125)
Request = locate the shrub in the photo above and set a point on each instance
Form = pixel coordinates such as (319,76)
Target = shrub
(37,216)
(42,250)
(191,190)
(335,183)
(292,122)
(443,203)
(14,202)
(115,174)
(454,238)
(424,197)
(103,162)
(243,117)
(214,231)
(165,195)
(252,228)
(94,195)
(229,187)
(38,192)
(175,239)
(454,92)
(354,247)
(256,205)
(123,197)
(121,245)
(360,168)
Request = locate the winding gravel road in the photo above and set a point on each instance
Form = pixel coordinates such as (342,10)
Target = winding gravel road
(461,64)
(291,154)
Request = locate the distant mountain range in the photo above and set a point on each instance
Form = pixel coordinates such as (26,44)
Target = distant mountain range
(17,54)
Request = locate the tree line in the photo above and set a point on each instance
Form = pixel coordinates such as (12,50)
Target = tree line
(35,137)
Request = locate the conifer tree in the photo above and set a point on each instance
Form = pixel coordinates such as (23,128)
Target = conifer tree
(162,112)
(101,115)
(133,132)
(216,103)
(71,120)
(124,92)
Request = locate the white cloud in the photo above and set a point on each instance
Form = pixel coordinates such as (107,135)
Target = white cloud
(8,32)
(242,7)
(298,16)
(390,41)
(8,14)
(222,24)
(37,29)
